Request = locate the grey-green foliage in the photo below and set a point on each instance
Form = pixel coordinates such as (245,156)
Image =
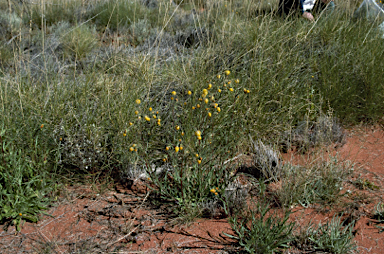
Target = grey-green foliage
(332,237)
(321,182)
(10,23)
(24,183)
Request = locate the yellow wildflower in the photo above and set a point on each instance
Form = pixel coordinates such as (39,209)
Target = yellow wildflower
(197,155)
(147,118)
(173,92)
(138,101)
(124,134)
(209,86)
(193,107)
(182,134)
(227,72)
(164,159)
(198,133)
(218,76)
(167,148)
(189,92)
(219,90)
(205,92)
(181,148)
(131,149)
(177,149)
(237,81)
(218,109)
(209,114)
(199,161)
(136,112)
(212,190)
(41,126)
(177,127)
(130,123)
(198,105)
(248,91)
(154,116)
(20,214)
(150,109)
(231,89)
(206,100)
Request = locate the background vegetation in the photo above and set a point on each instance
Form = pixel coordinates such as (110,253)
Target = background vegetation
(72,72)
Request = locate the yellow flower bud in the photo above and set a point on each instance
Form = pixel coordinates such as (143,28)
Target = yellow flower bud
(189,92)
(167,148)
(177,127)
(199,161)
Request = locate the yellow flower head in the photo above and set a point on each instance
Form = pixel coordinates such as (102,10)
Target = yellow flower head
(197,155)
(138,101)
(205,92)
(218,109)
(181,148)
(154,116)
(164,159)
(177,149)
(209,114)
(198,133)
(177,127)
(150,109)
(182,134)
(124,134)
(206,100)
(130,123)
(199,137)
(189,92)
(41,126)
(219,90)
(193,107)
(167,148)
(147,118)
(227,72)
(198,105)
(237,81)
(231,89)
(173,92)
(199,161)
(212,190)
(218,76)
(229,82)
(20,214)
(209,86)
(248,91)
(136,112)
(131,149)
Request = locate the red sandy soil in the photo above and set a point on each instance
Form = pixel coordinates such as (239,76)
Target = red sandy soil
(121,221)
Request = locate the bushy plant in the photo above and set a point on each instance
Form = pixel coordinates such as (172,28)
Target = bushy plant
(193,132)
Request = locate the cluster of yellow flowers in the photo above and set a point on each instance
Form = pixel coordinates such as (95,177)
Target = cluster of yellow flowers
(215,191)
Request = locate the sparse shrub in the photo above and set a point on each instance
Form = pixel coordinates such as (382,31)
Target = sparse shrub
(194,132)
